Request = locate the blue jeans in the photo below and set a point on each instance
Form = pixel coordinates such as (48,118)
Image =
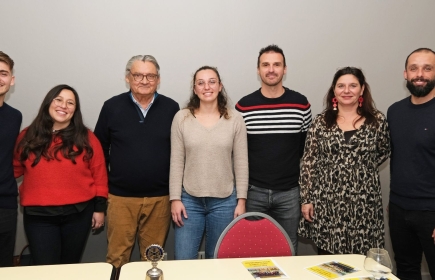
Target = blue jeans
(411,235)
(283,206)
(204,213)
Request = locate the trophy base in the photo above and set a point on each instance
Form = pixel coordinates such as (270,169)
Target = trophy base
(154,274)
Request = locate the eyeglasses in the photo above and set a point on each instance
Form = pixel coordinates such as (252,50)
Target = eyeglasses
(139,77)
(59,102)
(202,83)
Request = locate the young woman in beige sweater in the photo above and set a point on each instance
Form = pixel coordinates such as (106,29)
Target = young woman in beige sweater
(209,166)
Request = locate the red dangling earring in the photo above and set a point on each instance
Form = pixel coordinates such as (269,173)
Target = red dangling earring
(360,99)
(334,103)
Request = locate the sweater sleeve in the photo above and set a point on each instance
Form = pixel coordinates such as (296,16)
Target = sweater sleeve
(240,156)
(98,167)
(178,157)
(306,126)
(309,163)
(18,166)
(383,147)
(102,133)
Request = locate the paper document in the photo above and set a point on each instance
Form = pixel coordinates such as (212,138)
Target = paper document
(264,269)
(332,270)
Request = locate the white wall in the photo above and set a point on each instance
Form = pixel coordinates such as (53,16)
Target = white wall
(87,43)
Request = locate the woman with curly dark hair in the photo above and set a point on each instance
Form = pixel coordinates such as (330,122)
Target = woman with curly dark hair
(64,188)
(340,187)
(209,166)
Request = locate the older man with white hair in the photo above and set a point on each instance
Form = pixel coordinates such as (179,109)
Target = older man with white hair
(134,129)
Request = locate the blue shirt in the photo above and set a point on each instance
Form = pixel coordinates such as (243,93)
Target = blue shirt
(144,111)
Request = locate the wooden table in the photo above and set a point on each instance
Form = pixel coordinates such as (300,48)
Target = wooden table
(81,271)
(228,269)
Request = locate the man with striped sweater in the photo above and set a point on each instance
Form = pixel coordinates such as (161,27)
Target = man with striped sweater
(277,120)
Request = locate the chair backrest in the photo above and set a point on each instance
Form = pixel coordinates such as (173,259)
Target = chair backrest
(247,237)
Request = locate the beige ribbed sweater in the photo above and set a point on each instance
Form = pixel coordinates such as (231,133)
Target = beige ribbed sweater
(208,162)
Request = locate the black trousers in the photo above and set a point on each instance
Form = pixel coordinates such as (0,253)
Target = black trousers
(58,239)
(8,229)
(411,235)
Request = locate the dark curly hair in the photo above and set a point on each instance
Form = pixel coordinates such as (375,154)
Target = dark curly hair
(222,98)
(39,135)
(368,109)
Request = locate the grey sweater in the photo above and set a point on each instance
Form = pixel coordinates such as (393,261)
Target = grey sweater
(208,162)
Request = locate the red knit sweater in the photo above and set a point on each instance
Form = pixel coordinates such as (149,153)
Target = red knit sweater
(61,182)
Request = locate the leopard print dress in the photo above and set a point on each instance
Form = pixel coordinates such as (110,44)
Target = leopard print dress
(342,181)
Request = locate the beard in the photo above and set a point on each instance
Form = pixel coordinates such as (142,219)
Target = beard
(420,91)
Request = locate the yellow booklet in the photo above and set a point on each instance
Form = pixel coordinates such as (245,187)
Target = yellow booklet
(332,270)
(364,278)
(264,269)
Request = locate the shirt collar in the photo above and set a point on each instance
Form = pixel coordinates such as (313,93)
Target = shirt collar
(138,104)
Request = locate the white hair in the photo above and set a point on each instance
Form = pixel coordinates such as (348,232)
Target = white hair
(143,58)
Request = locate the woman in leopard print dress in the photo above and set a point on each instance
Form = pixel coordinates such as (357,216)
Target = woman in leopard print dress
(340,187)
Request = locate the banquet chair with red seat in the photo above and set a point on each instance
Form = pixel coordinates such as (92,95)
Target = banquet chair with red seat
(253,234)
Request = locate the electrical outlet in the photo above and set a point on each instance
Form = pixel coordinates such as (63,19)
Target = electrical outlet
(165,256)
(201,255)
